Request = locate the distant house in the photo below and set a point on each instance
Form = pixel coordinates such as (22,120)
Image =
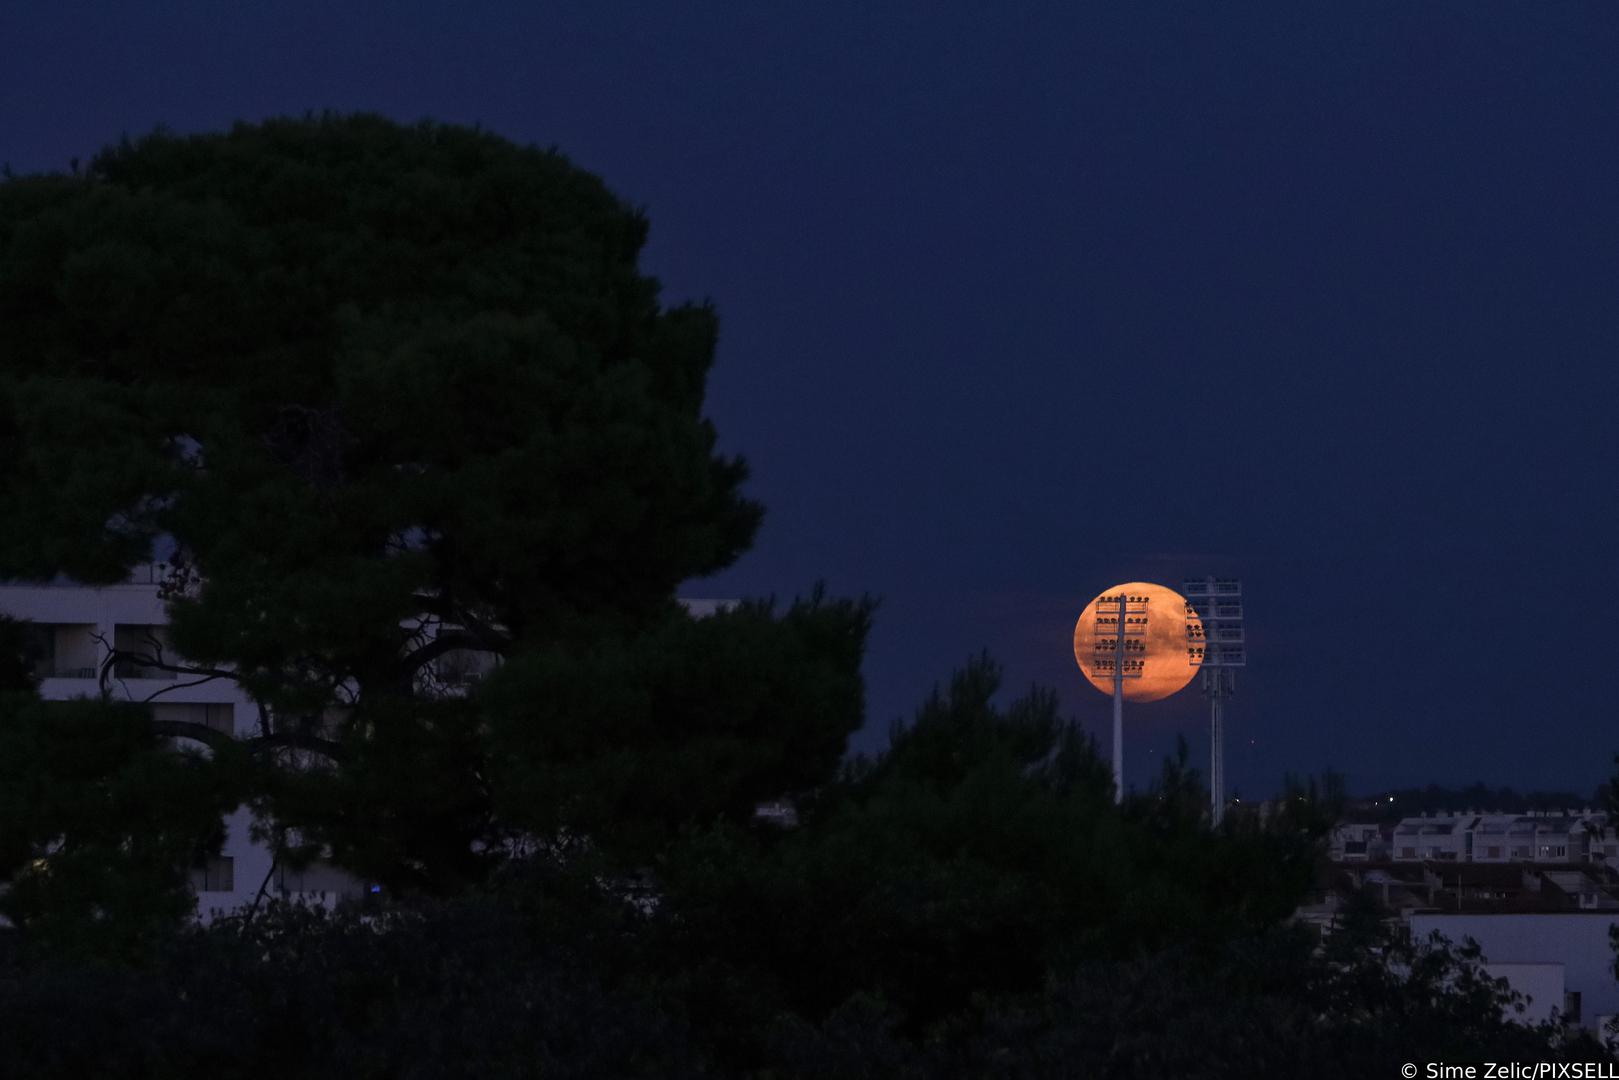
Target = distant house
(1537,891)
(1353,842)
(1569,838)
(1423,839)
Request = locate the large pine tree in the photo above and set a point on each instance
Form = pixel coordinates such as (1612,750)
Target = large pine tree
(398,398)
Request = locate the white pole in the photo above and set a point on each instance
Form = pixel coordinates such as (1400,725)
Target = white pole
(1118,738)
(1216,754)
(1118,706)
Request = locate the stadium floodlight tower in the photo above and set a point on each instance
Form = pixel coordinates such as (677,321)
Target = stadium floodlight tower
(1131,654)
(1214,642)
(1121,629)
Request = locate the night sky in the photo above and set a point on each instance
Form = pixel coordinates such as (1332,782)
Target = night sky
(1020,304)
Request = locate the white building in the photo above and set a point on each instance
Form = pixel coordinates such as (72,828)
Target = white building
(1423,838)
(1563,961)
(1357,842)
(1568,838)
(77,628)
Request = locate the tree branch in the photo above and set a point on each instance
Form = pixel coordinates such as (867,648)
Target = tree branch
(253,909)
(155,660)
(444,643)
(493,638)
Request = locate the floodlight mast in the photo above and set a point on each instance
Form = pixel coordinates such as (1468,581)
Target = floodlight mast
(1127,616)
(1217,684)
(1118,709)
(1214,640)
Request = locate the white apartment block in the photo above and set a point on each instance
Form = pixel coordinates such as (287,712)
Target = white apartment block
(1568,838)
(1561,961)
(77,628)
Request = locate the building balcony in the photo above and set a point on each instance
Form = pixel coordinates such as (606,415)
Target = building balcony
(57,671)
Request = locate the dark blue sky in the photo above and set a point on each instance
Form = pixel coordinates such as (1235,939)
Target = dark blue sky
(1017,305)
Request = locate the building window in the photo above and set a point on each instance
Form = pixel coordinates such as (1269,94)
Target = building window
(1408,853)
(41,648)
(1520,853)
(1571,1006)
(60,651)
(220,717)
(1492,853)
(218,875)
(289,881)
(145,642)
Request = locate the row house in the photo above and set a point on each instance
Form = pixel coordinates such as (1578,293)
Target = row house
(1572,837)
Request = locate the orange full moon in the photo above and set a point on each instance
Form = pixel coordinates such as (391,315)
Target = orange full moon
(1165,664)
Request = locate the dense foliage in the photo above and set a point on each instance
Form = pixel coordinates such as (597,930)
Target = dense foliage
(979,855)
(961,906)
(99,818)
